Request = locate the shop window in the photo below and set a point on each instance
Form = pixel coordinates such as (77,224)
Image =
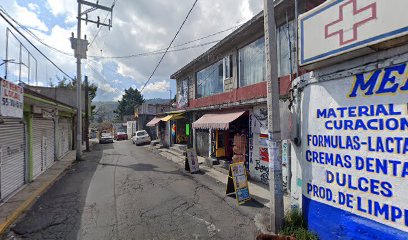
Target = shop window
(227,61)
(252,63)
(210,80)
(285,45)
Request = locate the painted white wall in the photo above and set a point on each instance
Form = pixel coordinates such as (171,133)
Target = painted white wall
(330,88)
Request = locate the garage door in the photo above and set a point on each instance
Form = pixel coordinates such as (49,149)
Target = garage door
(43,145)
(12,156)
(64,128)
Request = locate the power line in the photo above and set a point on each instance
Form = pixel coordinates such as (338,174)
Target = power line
(45,56)
(156,52)
(33,35)
(159,51)
(174,38)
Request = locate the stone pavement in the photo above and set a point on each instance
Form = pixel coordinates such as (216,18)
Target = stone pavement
(258,191)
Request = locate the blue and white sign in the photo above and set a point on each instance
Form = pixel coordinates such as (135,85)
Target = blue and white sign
(354,155)
(340,26)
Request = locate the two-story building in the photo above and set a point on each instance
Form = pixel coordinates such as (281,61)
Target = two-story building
(146,112)
(223,91)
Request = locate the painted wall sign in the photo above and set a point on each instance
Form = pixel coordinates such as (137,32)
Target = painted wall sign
(258,144)
(12,99)
(354,155)
(340,26)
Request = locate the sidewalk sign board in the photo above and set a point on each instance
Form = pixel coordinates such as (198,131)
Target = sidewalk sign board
(238,183)
(191,162)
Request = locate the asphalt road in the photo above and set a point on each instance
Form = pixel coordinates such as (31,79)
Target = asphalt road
(122,191)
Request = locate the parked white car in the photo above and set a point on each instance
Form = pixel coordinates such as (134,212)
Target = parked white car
(141,137)
(106,137)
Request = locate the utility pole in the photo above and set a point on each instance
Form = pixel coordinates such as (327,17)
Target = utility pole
(80,47)
(86,132)
(274,132)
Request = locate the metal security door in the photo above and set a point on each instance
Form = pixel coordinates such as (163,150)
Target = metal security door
(43,145)
(64,137)
(12,156)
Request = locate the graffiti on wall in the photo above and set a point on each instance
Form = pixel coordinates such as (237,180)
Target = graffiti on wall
(258,151)
(355,149)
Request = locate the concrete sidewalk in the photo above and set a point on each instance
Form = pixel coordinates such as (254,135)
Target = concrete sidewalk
(258,191)
(16,205)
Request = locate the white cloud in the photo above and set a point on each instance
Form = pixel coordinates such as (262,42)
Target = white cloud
(107,88)
(28,18)
(158,87)
(128,71)
(138,27)
(67,8)
(33,7)
(119,96)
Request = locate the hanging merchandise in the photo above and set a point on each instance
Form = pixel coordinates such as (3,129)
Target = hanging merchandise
(173,130)
(239,148)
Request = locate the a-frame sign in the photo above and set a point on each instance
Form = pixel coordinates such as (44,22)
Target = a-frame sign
(238,183)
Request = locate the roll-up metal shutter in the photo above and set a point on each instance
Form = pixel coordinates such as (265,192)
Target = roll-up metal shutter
(12,156)
(43,145)
(63,136)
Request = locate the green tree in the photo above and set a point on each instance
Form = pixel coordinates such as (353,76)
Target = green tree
(131,99)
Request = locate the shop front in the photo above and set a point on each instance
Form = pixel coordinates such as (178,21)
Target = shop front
(154,124)
(12,156)
(174,128)
(64,136)
(43,142)
(228,134)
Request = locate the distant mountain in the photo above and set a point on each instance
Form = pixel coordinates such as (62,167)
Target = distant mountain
(108,103)
(105,110)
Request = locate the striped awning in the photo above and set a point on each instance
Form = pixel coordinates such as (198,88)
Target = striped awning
(217,120)
(153,122)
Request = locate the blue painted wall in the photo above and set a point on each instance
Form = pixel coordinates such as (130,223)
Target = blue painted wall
(333,223)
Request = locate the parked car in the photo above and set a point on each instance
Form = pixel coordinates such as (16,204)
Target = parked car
(141,137)
(121,136)
(106,137)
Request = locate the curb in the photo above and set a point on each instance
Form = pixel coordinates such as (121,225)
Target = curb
(28,202)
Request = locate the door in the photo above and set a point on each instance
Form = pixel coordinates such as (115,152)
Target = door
(12,157)
(202,142)
(63,137)
(43,145)
(220,143)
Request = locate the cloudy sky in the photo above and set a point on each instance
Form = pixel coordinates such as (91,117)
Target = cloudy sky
(138,27)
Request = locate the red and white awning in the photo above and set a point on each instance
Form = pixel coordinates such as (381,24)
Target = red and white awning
(153,122)
(217,120)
